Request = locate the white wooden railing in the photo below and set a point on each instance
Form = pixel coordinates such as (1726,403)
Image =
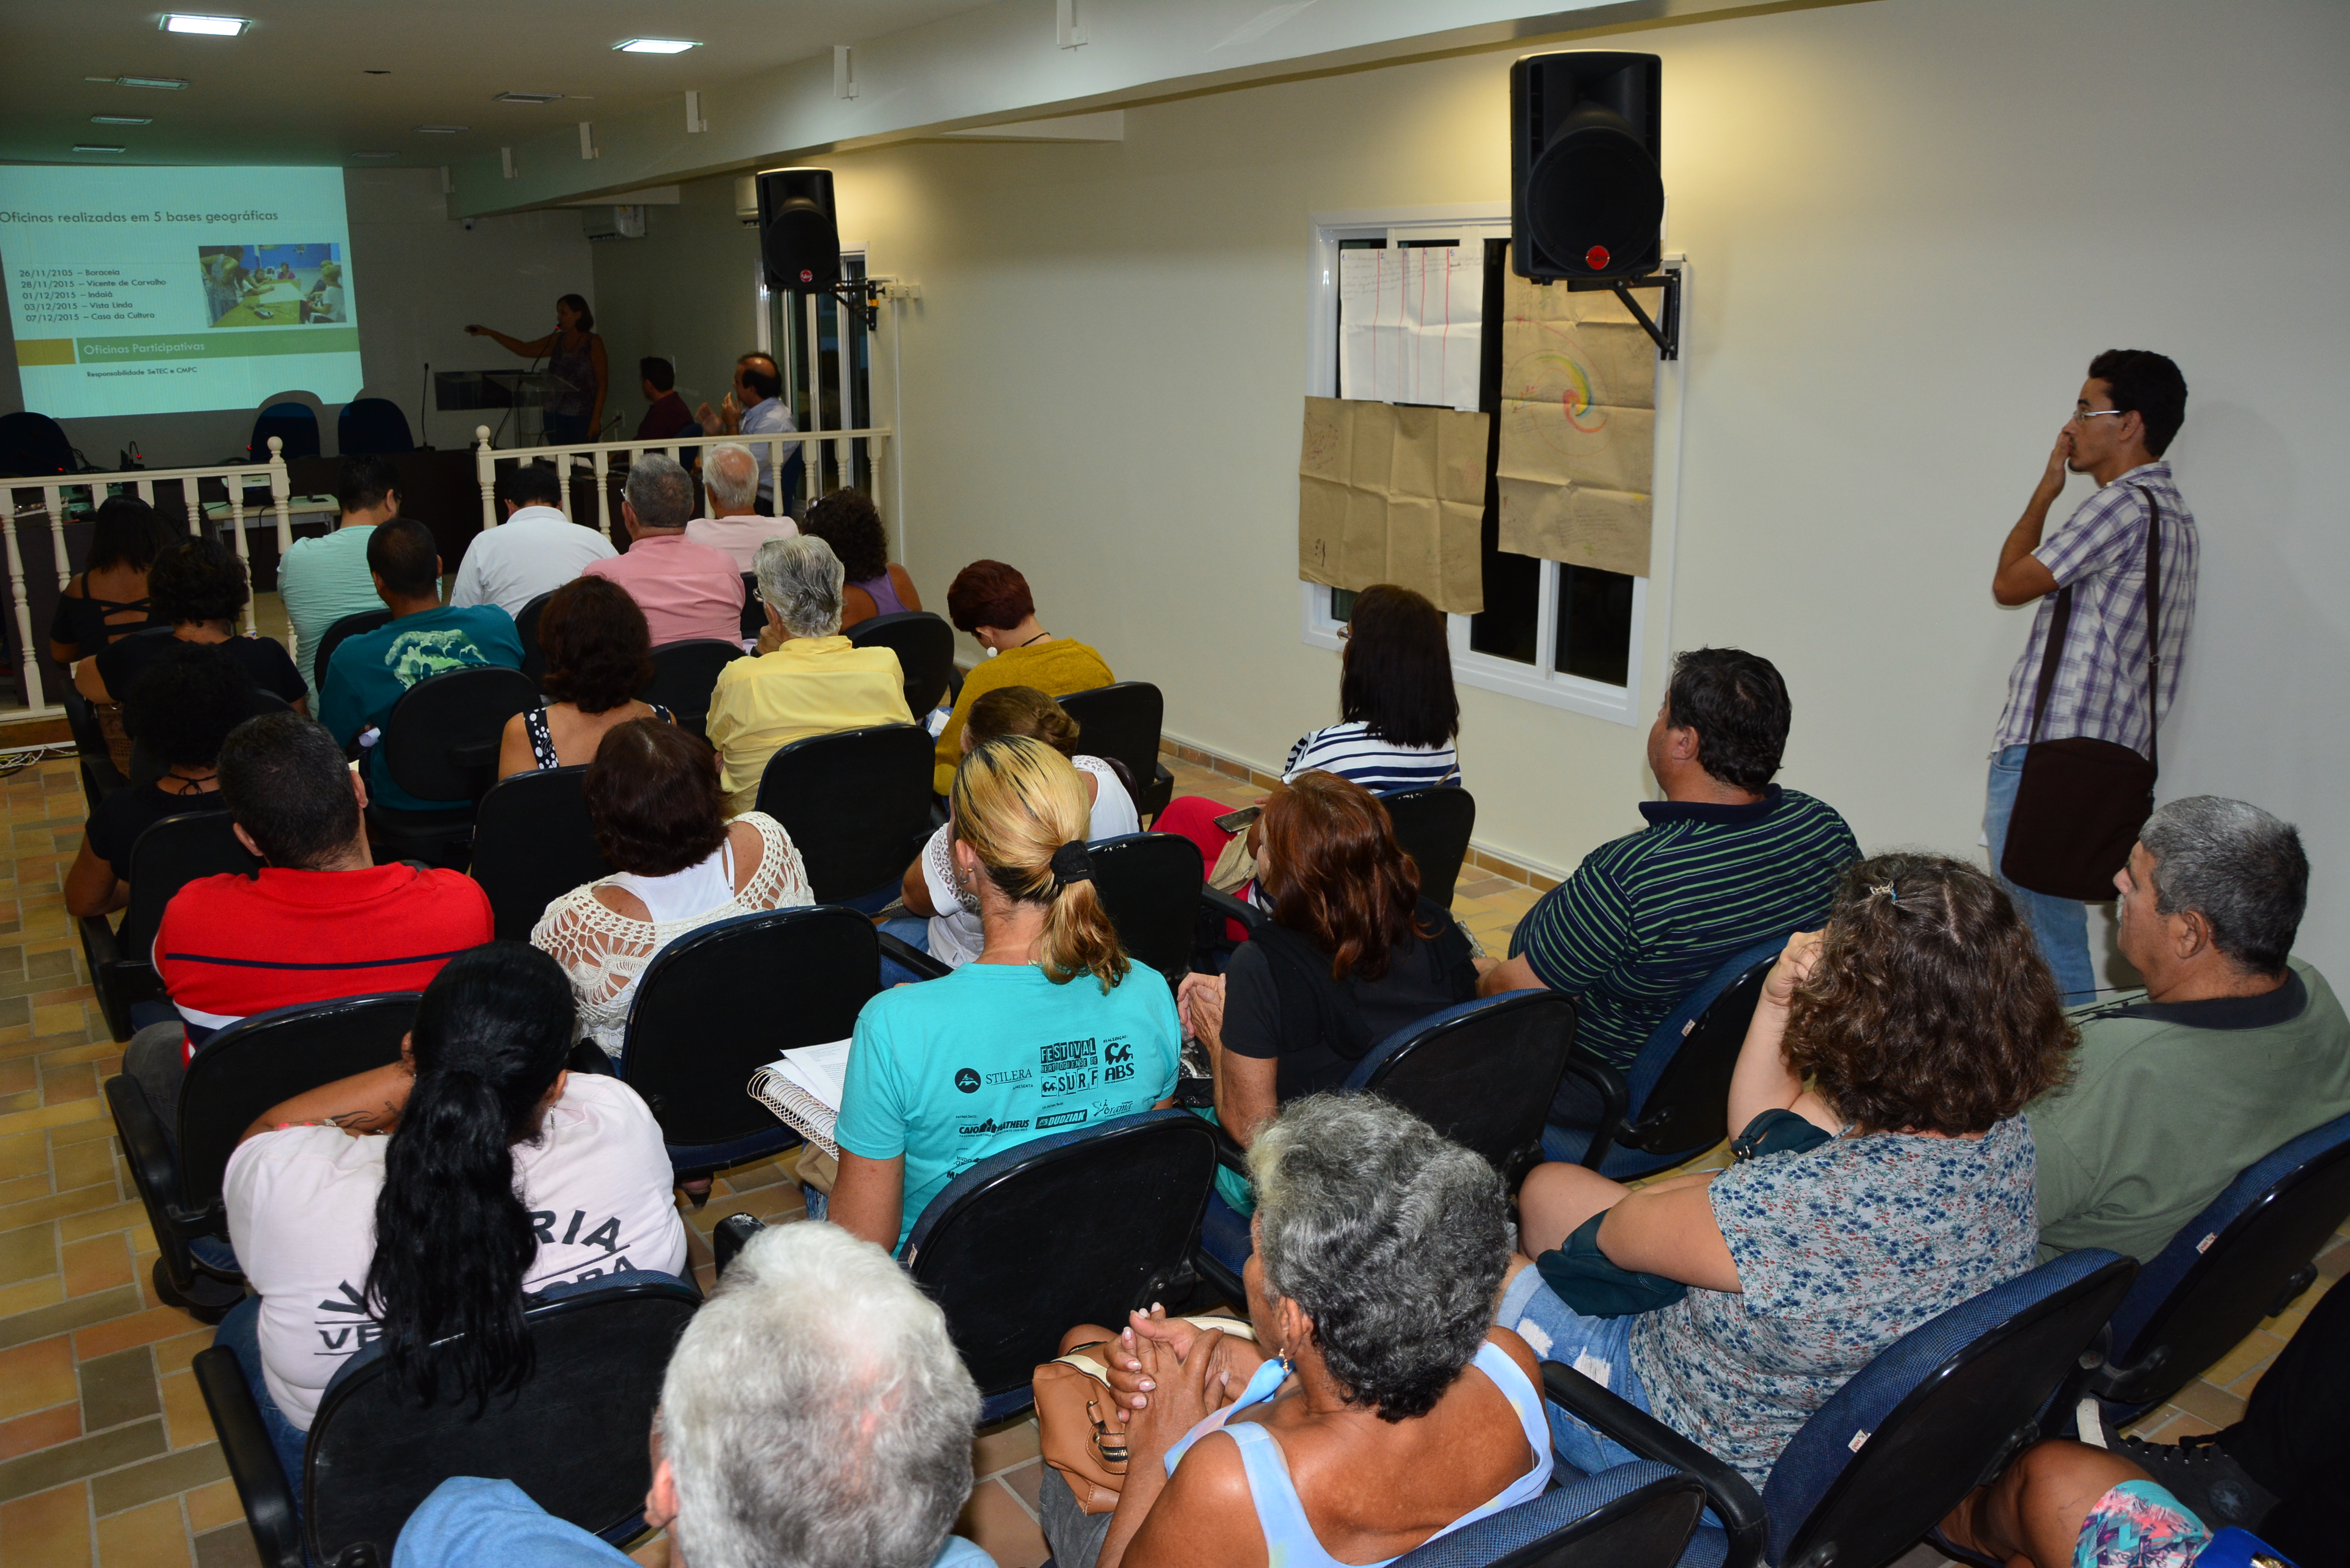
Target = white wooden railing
(597,457)
(54,494)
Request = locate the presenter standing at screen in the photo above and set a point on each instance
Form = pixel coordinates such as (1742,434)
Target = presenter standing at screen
(2128,410)
(576,374)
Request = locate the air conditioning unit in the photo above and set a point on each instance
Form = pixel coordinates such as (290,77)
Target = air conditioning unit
(613,223)
(746,200)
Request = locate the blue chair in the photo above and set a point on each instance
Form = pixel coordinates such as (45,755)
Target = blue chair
(372,425)
(296,425)
(34,446)
(1482,1073)
(1634,1516)
(2244,1258)
(1672,1102)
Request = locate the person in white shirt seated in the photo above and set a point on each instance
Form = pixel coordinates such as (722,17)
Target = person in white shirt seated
(814,1411)
(730,484)
(534,551)
(756,407)
(412,1205)
(945,916)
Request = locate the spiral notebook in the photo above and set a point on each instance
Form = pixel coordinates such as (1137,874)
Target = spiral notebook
(803,1089)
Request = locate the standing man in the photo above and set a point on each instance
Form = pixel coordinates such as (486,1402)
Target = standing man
(322,580)
(756,407)
(2130,409)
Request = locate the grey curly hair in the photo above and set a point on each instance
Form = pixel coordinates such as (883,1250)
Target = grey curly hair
(800,579)
(1390,1239)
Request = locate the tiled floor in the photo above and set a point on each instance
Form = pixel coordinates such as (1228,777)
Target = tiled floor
(106,1454)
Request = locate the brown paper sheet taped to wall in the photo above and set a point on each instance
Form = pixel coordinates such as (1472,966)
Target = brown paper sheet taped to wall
(1390,494)
(1577,459)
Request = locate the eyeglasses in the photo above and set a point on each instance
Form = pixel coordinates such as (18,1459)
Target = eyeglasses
(2083,416)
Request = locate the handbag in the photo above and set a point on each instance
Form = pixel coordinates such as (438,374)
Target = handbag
(1075,1424)
(2081,802)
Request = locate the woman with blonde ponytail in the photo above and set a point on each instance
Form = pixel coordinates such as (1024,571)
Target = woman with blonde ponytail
(1050,1027)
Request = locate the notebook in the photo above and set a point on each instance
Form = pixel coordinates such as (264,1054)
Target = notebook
(803,1089)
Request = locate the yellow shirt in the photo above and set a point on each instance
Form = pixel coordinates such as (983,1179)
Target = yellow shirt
(1057,669)
(810,685)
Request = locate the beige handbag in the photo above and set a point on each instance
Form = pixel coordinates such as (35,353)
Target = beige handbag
(1076,1422)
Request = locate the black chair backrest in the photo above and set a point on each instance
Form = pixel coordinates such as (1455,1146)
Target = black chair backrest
(33,446)
(572,1437)
(251,1065)
(1432,825)
(534,657)
(372,425)
(442,740)
(296,426)
(755,609)
(684,675)
(1081,1230)
(98,762)
(856,803)
(1485,1076)
(1689,1107)
(924,645)
(721,1003)
(166,858)
(1150,883)
(533,843)
(332,638)
(1120,722)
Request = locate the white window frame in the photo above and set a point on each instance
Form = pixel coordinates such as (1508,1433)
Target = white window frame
(1538,682)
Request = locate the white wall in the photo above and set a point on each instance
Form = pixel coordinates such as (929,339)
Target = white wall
(418,277)
(1911,224)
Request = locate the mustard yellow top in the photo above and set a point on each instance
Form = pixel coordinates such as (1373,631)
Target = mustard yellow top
(810,685)
(1055,667)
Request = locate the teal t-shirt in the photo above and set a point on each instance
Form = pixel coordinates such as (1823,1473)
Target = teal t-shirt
(321,581)
(953,1070)
(373,670)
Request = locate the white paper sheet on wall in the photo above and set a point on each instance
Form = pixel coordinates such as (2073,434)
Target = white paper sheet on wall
(1411,324)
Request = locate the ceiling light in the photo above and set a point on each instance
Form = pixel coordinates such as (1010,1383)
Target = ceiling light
(94,147)
(525,97)
(171,84)
(441,129)
(375,155)
(657,45)
(121,120)
(211,26)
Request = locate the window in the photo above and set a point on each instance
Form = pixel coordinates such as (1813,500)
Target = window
(805,335)
(1569,637)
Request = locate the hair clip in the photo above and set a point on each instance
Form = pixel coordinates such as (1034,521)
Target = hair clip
(1887,889)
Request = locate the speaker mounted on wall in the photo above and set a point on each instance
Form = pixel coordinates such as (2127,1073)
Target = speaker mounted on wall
(799,238)
(1587,198)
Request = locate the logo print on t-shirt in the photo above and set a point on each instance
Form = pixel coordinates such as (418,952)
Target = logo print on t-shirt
(967,1080)
(413,654)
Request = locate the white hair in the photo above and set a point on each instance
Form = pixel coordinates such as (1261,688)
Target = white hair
(800,580)
(730,475)
(815,1412)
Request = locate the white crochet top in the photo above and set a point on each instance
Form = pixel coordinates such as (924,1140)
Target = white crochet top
(605,952)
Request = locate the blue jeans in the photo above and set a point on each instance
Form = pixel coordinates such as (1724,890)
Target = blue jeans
(2061,924)
(916,934)
(1598,1348)
(241,1331)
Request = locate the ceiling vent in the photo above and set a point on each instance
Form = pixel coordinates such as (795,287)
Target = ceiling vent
(613,223)
(526,98)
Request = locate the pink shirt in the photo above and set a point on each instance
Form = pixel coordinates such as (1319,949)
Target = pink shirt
(686,590)
(739,537)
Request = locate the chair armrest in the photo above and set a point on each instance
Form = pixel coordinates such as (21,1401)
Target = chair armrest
(261,1482)
(1234,909)
(154,1166)
(912,957)
(1609,1084)
(1733,1501)
(98,942)
(1229,1153)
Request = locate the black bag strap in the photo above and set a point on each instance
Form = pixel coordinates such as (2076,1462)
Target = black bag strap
(2059,621)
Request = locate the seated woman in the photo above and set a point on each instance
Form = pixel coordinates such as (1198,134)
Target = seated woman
(1901,1185)
(198,589)
(1352,954)
(430,1230)
(1399,715)
(1048,1026)
(991,601)
(598,657)
(652,793)
(107,599)
(1377,1408)
(848,522)
(2062,1504)
(183,709)
(948,924)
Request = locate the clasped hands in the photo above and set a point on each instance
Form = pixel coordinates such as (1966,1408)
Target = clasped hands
(1166,1375)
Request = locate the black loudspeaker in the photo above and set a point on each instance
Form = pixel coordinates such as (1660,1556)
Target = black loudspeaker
(1586,197)
(799,239)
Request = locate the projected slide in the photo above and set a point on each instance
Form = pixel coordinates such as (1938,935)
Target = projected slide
(146,291)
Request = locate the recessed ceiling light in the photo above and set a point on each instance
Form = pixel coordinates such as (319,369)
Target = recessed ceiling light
(94,147)
(526,96)
(172,84)
(211,26)
(443,129)
(121,120)
(375,155)
(657,45)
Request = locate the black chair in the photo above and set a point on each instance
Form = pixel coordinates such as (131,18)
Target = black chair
(1432,825)
(718,1003)
(2246,1257)
(856,804)
(755,609)
(238,1073)
(1672,1102)
(572,1437)
(166,858)
(296,426)
(34,446)
(924,645)
(684,675)
(332,638)
(1122,722)
(441,743)
(532,843)
(534,657)
(372,425)
(1150,883)
(100,776)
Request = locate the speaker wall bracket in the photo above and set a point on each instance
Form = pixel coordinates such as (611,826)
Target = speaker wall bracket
(863,294)
(1666,330)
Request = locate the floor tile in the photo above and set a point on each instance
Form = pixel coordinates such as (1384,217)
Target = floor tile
(81,1457)
(99,1264)
(1004,1447)
(230,1546)
(210,1507)
(185,1415)
(35,1376)
(25,1327)
(42,1429)
(165,1477)
(154,1536)
(50,1528)
(118,1389)
(1001,1523)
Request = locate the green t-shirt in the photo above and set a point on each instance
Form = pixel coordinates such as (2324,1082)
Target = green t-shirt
(321,581)
(2169,1102)
(373,671)
(952,1070)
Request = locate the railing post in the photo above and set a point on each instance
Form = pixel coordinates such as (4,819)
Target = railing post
(32,654)
(603,506)
(563,482)
(244,551)
(55,495)
(486,473)
(281,495)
